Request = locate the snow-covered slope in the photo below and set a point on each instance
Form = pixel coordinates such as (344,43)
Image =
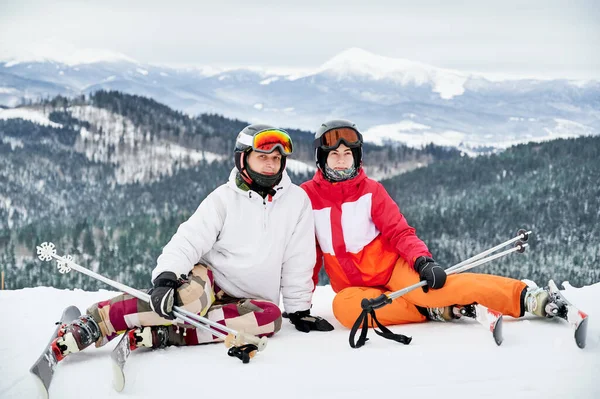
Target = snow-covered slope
(538,359)
(417,135)
(28,115)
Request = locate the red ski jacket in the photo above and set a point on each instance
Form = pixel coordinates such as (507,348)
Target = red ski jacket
(360,232)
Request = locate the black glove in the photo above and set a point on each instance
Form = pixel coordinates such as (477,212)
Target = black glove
(431,272)
(304,322)
(162,296)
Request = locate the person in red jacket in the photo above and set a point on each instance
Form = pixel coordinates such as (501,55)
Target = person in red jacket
(368,248)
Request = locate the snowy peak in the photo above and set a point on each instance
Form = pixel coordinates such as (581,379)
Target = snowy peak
(54,51)
(356,62)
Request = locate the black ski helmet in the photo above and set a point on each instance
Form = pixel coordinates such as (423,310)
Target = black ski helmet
(321,153)
(241,151)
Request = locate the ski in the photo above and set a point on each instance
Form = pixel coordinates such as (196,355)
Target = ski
(44,367)
(559,306)
(119,356)
(488,318)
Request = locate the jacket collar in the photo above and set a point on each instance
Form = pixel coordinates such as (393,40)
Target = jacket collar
(346,187)
(283,185)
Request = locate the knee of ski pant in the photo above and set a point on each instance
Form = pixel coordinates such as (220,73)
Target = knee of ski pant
(197,288)
(270,314)
(346,304)
(265,313)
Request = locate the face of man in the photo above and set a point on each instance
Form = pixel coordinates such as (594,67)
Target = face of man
(341,158)
(265,164)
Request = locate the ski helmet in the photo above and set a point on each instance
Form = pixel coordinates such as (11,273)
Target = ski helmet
(331,134)
(266,139)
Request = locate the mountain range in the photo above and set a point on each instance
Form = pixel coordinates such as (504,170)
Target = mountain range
(392,100)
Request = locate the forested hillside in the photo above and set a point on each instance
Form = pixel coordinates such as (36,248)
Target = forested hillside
(462,207)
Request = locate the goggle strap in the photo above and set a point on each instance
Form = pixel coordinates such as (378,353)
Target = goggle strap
(246,139)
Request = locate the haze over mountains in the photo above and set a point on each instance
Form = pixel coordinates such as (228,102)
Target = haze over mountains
(393,100)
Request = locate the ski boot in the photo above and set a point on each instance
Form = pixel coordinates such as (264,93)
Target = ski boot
(557,304)
(75,336)
(538,301)
(442,314)
(150,337)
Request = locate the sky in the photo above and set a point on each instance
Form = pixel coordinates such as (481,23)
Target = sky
(544,38)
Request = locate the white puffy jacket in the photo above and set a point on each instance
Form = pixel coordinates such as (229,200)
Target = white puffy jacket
(256,248)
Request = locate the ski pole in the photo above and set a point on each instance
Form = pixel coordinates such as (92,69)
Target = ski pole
(46,251)
(520,247)
(370,305)
(465,265)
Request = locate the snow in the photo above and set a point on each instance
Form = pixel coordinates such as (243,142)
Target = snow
(395,132)
(417,135)
(299,166)
(139,158)
(269,80)
(13,142)
(414,135)
(29,115)
(538,358)
(142,71)
(567,129)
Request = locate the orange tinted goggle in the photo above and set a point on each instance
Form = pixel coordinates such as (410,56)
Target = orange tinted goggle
(268,141)
(332,138)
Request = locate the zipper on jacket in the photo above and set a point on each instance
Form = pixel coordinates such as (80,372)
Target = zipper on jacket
(264,216)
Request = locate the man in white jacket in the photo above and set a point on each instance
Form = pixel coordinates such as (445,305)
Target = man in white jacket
(249,242)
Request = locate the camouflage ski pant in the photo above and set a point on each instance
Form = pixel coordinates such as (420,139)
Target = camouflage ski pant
(198,295)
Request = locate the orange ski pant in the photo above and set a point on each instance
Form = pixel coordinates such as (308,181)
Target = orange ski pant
(499,293)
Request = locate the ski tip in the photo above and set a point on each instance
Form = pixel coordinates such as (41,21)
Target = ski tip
(118,378)
(581,333)
(497,333)
(42,389)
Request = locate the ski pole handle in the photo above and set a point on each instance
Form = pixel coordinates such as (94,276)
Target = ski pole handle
(241,338)
(375,303)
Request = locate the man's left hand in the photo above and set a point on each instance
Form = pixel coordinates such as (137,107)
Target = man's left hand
(305,322)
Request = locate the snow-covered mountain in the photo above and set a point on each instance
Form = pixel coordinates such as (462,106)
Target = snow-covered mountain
(538,358)
(394,100)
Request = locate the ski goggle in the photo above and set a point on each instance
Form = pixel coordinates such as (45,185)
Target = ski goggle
(268,141)
(331,139)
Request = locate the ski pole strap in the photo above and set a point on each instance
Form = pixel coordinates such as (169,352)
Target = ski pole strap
(369,306)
